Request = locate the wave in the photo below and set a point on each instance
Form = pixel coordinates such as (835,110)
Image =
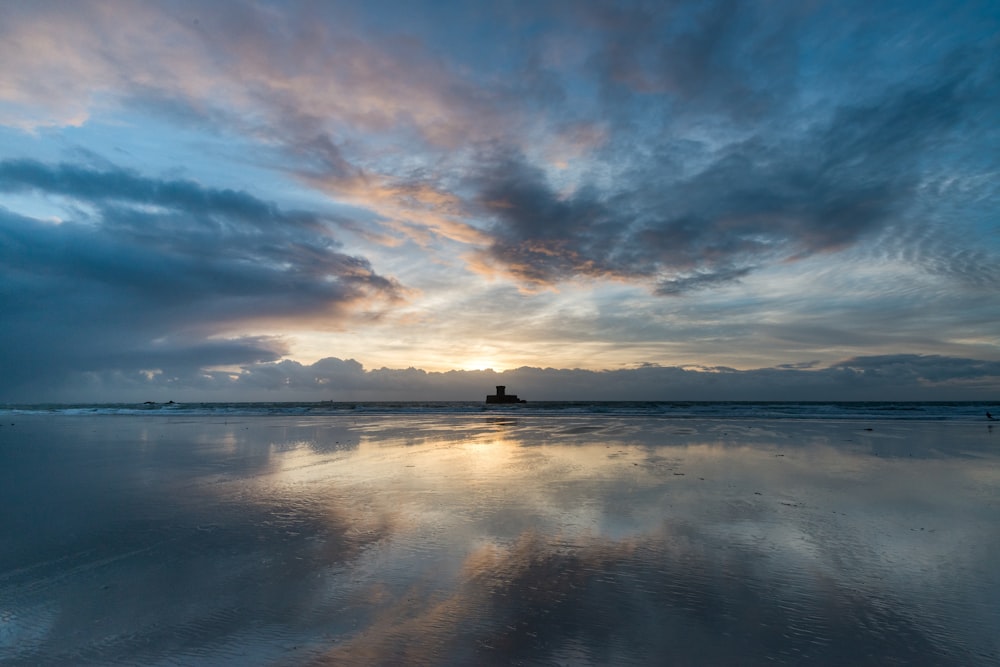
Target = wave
(931,411)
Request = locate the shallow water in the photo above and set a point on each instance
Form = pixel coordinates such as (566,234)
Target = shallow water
(497,539)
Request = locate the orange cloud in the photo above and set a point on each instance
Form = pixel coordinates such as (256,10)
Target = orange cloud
(413,210)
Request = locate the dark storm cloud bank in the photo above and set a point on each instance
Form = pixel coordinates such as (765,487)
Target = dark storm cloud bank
(147,270)
(781,183)
(873,378)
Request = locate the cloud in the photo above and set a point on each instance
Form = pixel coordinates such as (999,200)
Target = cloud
(701,280)
(286,74)
(715,149)
(755,202)
(112,184)
(155,271)
(749,169)
(914,369)
(414,207)
(887,377)
(711,57)
(693,150)
(188,221)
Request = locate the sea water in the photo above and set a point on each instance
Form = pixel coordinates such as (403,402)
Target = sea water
(868,410)
(536,534)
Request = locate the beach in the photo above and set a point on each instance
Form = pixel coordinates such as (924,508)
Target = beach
(497,538)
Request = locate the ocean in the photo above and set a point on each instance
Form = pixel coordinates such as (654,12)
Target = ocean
(771,410)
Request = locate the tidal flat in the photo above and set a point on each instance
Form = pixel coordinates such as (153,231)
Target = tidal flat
(496,539)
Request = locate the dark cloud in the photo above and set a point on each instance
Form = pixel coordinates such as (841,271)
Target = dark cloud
(541,236)
(914,369)
(804,365)
(725,57)
(888,377)
(203,207)
(761,200)
(153,269)
(699,280)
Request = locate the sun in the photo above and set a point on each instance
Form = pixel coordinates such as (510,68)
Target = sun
(480,364)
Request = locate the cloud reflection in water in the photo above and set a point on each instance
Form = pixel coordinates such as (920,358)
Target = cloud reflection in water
(467,540)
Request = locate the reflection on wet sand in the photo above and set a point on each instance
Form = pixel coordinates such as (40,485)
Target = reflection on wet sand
(460,540)
(639,601)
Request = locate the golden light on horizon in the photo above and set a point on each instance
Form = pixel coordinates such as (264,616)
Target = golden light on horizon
(481,364)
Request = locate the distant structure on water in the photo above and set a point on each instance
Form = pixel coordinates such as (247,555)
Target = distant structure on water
(503,397)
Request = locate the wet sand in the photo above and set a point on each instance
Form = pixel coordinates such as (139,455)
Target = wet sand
(495,540)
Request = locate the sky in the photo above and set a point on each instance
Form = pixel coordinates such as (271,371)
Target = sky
(389,200)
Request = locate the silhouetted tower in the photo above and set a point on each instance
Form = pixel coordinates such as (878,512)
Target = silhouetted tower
(503,397)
